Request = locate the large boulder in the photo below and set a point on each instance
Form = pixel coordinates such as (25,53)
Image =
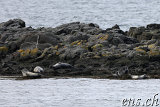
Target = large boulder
(77,36)
(43,37)
(15,23)
(71,28)
(149,32)
(135,32)
(153,26)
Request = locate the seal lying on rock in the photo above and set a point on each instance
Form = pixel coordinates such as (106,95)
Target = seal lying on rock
(38,69)
(144,76)
(61,65)
(36,72)
(121,72)
(124,73)
(27,73)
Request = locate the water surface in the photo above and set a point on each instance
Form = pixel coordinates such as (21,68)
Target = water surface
(106,13)
(74,92)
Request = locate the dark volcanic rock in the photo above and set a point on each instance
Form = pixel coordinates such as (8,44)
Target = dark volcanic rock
(77,36)
(91,50)
(15,23)
(153,26)
(152,31)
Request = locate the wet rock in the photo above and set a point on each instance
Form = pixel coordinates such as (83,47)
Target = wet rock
(153,26)
(3,51)
(152,31)
(135,32)
(91,50)
(67,28)
(28,45)
(149,42)
(43,37)
(77,36)
(15,23)
(93,25)
(116,41)
(72,53)
(116,27)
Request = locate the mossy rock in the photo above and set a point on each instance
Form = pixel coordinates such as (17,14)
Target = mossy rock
(34,52)
(97,46)
(151,46)
(78,42)
(154,53)
(141,50)
(104,37)
(24,54)
(75,42)
(3,50)
(97,57)
(28,53)
(106,53)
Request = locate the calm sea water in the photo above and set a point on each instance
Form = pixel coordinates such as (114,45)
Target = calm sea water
(106,13)
(80,92)
(74,92)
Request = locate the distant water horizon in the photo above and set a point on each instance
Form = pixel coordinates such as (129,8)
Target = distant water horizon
(105,13)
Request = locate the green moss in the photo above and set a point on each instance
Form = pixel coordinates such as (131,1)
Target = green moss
(154,52)
(3,50)
(97,57)
(104,37)
(78,42)
(75,43)
(34,52)
(152,46)
(97,46)
(140,50)
(28,53)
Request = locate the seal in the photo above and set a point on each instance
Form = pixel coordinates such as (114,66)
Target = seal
(35,74)
(61,65)
(144,76)
(27,73)
(123,71)
(38,69)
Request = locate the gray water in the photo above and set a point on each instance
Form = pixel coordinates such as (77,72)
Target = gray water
(80,92)
(106,13)
(74,92)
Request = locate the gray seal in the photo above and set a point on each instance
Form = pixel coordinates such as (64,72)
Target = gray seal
(61,65)
(38,69)
(144,76)
(27,73)
(123,71)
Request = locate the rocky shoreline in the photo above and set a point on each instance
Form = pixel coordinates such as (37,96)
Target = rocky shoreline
(92,51)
